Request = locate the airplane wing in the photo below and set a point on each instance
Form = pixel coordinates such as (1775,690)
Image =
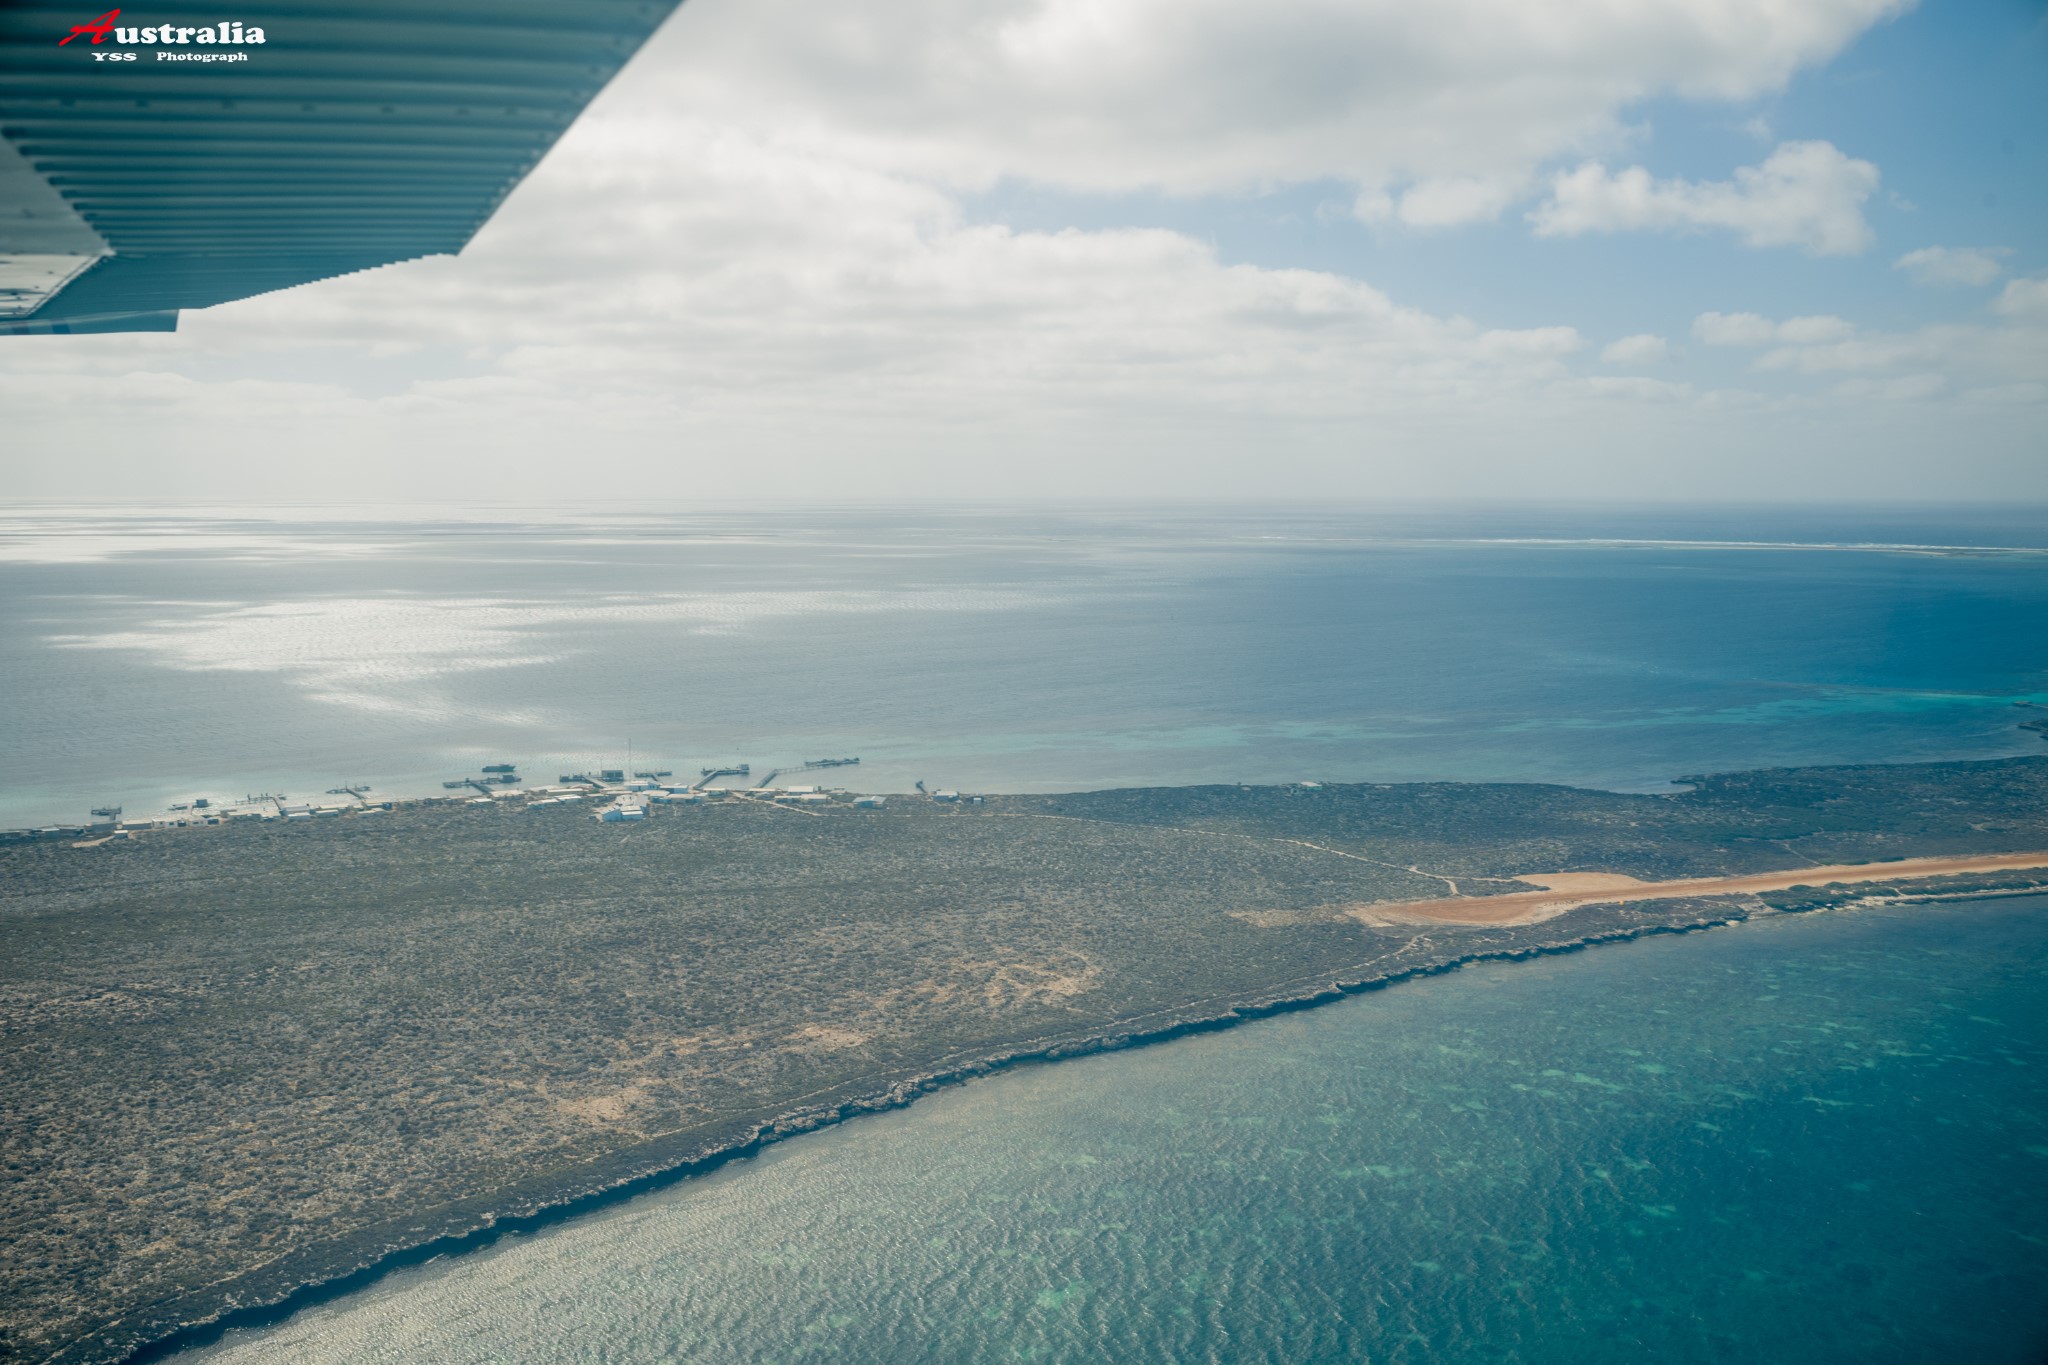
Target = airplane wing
(158,159)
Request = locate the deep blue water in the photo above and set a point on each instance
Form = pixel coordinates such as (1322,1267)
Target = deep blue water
(1815,1140)
(149,659)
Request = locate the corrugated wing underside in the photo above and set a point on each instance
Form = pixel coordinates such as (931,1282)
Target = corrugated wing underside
(356,135)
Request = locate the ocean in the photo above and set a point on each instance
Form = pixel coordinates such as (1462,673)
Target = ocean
(1806,1139)
(150,658)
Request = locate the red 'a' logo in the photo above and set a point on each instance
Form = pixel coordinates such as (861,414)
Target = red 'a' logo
(98,28)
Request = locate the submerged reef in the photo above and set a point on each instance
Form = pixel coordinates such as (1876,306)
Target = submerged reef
(249,1059)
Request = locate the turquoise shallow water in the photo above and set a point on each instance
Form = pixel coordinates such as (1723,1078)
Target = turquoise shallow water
(1817,1138)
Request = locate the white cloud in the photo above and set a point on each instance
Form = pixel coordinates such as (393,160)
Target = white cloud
(1202,96)
(752,271)
(1863,353)
(2024,299)
(2005,361)
(1373,205)
(1805,194)
(1540,344)
(759,316)
(1811,329)
(1751,329)
(1976,265)
(1641,349)
(1457,200)
(1966,354)
(767,301)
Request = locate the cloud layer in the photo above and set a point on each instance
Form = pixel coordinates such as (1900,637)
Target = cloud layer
(1998,363)
(752,271)
(1456,99)
(1972,265)
(1805,194)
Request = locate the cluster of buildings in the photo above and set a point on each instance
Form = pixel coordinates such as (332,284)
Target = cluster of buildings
(109,823)
(624,798)
(631,800)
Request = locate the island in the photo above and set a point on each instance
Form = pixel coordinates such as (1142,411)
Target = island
(246,1065)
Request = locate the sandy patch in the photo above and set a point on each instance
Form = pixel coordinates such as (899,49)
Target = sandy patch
(609,1109)
(1288,919)
(996,985)
(1569,890)
(828,1038)
(1020,983)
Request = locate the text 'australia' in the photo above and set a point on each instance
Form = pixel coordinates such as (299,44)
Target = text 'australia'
(228,31)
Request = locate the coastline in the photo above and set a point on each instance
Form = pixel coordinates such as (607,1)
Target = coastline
(324,1272)
(370,1042)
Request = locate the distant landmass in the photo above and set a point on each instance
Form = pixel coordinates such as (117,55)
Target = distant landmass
(251,1059)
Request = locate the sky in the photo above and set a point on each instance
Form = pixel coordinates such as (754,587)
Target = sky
(1777,250)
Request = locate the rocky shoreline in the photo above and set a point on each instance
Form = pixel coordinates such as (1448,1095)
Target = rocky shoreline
(320,1275)
(253,1067)
(274,1293)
